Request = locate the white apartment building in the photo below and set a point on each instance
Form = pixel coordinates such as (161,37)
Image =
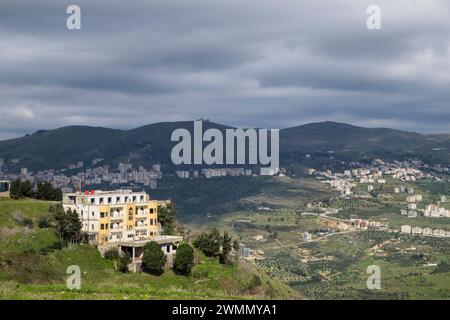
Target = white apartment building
(405,229)
(435,211)
(114,216)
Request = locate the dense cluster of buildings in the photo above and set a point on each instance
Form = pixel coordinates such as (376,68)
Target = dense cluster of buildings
(343,185)
(432,210)
(411,207)
(228,172)
(372,174)
(368,224)
(435,211)
(437,233)
(214,173)
(68,180)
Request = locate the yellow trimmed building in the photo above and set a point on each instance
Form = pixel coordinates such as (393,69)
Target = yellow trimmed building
(115,216)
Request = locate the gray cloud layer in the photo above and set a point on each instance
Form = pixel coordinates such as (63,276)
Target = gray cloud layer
(273,63)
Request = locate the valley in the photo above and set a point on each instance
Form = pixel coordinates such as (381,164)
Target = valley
(318,246)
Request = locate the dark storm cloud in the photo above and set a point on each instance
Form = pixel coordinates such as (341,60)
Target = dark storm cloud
(245,63)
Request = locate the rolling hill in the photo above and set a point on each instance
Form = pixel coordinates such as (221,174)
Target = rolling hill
(151,144)
(59,147)
(350,143)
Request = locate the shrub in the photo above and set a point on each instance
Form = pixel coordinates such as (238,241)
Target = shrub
(442,267)
(21,189)
(22,220)
(124,261)
(111,254)
(67,223)
(254,282)
(209,242)
(184,259)
(199,273)
(43,222)
(226,248)
(166,216)
(153,259)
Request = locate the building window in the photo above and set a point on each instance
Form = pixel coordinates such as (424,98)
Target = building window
(134,198)
(93,214)
(151,222)
(117,199)
(92,200)
(151,210)
(142,198)
(101,200)
(102,226)
(92,227)
(109,200)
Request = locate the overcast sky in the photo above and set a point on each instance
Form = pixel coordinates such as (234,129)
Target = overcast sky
(259,63)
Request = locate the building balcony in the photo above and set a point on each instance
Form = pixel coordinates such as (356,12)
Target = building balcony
(141,213)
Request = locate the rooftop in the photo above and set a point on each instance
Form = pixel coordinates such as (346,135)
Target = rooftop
(102,192)
(158,239)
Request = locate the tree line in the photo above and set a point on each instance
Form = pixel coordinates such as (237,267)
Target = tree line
(44,191)
(154,260)
(211,243)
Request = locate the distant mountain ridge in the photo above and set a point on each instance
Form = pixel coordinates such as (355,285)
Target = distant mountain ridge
(148,144)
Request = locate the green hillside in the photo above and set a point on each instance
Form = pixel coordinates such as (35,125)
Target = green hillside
(148,144)
(327,136)
(59,147)
(33,266)
(151,144)
(331,142)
